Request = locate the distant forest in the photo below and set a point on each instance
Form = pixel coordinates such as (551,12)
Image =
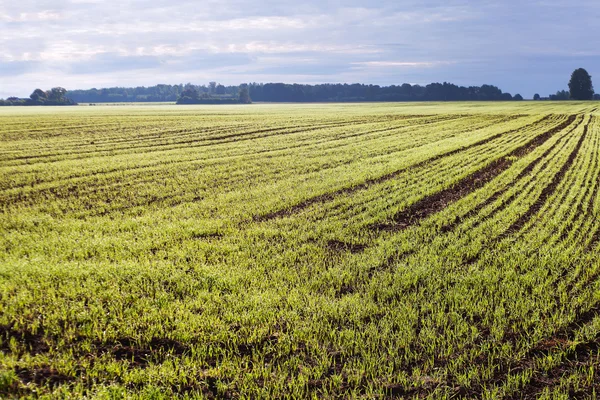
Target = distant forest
(281,92)
(215,93)
(158,93)
(54,97)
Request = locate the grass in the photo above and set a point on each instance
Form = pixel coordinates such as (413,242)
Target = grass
(327,251)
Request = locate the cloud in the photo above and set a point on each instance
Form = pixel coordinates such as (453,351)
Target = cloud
(90,43)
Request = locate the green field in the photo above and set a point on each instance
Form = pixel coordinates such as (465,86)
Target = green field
(324,251)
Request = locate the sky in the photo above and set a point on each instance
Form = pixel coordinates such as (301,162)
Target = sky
(522,46)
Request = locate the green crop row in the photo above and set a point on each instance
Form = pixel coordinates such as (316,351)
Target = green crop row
(300,251)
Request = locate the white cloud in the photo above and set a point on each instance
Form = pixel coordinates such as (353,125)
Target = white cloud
(90,43)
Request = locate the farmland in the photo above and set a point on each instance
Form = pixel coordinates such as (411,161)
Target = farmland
(329,251)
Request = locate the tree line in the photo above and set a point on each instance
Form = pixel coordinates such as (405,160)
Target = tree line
(215,93)
(54,97)
(580,88)
(281,92)
(192,95)
(158,93)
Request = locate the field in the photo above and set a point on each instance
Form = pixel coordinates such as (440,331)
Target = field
(325,251)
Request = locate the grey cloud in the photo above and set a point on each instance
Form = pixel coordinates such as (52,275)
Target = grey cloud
(489,41)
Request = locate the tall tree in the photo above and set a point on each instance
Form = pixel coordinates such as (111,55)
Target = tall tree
(57,94)
(38,95)
(580,86)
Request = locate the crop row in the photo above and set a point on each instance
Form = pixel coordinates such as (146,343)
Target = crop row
(445,254)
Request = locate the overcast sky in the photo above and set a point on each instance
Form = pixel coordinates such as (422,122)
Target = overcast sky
(522,46)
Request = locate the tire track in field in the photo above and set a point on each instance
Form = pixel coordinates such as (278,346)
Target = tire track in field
(213,140)
(160,134)
(326,142)
(559,344)
(453,224)
(518,225)
(522,174)
(233,137)
(578,217)
(162,163)
(250,153)
(582,319)
(594,232)
(436,202)
(99,148)
(55,190)
(201,145)
(548,190)
(209,141)
(420,121)
(285,212)
(496,195)
(520,152)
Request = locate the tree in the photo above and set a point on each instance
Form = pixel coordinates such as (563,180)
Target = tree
(212,86)
(580,86)
(244,95)
(57,94)
(518,97)
(536,96)
(38,96)
(220,89)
